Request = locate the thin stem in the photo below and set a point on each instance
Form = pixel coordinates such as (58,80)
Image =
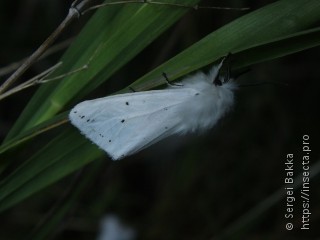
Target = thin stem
(30,82)
(52,50)
(75,11)
(72,14)
(180,5)
(40,79)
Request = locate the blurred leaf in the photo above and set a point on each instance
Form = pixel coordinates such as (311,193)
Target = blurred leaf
(67,202)
(46,167)
(70,150)
(33,132)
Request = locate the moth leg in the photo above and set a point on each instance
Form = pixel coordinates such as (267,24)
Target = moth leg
(169,83)
(131,89)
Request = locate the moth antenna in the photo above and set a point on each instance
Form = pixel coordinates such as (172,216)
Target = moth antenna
(256,84)
(264,83)
(240,73)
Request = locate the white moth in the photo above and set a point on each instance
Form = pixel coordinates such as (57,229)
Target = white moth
(125,124)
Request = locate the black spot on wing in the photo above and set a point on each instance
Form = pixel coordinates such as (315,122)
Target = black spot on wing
(122,120)
(127,103)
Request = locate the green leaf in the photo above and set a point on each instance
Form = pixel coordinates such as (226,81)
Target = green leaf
(114,35)
(277,20)
(260,53)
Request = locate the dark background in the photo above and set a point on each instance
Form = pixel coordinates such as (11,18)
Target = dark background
(193,187)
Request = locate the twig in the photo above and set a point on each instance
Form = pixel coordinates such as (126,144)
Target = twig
(30,82)
(74,12)
(52,50)
(40,79)
(195,7)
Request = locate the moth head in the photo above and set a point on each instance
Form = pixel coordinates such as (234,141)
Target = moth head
(220,80)
(222,77)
